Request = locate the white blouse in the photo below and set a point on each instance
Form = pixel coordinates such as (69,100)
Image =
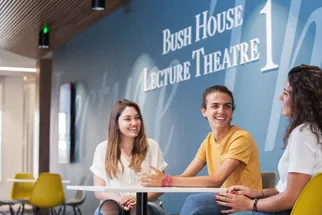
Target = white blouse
(128,177)
(303,154)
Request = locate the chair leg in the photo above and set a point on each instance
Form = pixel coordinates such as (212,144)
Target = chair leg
(37,210)
(18,209)
(53,211)
(64,209)
(59,210)
(79,211)
(74,210)
(12,212)
(23,209)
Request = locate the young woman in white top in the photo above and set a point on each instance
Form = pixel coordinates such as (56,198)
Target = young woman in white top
(118,161)
(302,158)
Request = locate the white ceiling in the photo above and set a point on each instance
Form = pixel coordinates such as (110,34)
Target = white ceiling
(9,59)
(13,60)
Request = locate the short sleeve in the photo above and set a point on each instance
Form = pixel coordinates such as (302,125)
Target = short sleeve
(162,165)
(98,166)
(241,148)
(202,151)
(279,186)
(301,146)
(155,156)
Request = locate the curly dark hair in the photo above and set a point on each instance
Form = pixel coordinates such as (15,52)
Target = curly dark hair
(306,94)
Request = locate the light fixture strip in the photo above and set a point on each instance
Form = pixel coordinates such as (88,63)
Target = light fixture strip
(18,69)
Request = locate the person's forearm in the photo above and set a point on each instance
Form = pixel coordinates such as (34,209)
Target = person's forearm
(153,196)
(188,174)
(260,194)
(197,181)
(276,203)
(107,195)
(269,192)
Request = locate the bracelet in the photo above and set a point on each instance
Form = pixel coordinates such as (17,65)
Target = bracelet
(254,206)
(169,178)
(164,181)
(263,194)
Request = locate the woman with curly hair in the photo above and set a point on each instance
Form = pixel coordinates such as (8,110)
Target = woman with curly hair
(302,158)
(119,160)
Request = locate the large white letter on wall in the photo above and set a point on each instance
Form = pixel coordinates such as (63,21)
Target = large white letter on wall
(267,10)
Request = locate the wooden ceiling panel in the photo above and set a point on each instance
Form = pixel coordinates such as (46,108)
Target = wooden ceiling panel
(22,20)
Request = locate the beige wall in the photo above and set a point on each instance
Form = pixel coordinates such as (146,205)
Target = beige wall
(28,126)
(15,135)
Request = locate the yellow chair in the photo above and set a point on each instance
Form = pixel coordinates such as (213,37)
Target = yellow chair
(21,191)
(309,201)
(48,192)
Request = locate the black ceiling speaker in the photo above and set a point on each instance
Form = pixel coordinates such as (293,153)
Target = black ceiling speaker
(44,37)
(98,4)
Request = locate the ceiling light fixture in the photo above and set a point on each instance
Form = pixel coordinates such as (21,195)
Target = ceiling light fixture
(98,4)
(44,37)
(17,69)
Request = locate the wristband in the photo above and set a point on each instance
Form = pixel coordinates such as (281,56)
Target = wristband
(169,179)
(164,181)
(254,206)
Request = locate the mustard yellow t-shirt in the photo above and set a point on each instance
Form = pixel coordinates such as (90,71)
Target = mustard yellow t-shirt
(236,144)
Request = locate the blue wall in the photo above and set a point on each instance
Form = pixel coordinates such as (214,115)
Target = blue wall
(107,62)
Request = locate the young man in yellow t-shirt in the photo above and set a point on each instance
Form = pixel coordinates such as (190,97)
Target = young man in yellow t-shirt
(229,152)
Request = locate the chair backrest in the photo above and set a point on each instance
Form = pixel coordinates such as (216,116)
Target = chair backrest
(309,201)
(269,179)
(22,190)
(48,191)
(80,195)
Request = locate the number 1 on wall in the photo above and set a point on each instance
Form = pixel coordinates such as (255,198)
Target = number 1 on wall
(267,10)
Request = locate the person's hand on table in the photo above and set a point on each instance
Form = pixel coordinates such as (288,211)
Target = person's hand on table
(152,180)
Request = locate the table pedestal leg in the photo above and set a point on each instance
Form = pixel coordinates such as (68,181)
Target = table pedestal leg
(141,203)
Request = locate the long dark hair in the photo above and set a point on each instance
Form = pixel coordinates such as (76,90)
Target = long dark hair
(306,94)
(113,151)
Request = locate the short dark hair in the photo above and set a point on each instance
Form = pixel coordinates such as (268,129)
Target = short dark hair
(214,89)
